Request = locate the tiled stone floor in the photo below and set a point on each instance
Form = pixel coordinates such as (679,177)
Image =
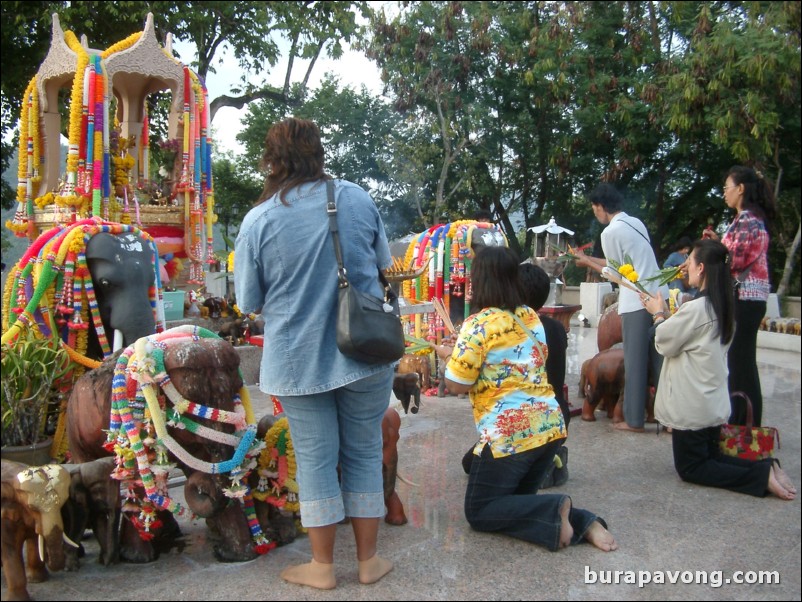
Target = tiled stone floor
(661,523)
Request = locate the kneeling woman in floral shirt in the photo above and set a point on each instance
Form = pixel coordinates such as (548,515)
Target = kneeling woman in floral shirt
(500,359)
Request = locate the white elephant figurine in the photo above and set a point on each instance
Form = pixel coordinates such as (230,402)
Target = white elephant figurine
(32,498)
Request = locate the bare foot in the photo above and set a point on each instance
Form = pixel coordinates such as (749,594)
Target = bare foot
(373,569)
(314,574)
(783,478)
(623,426)
(566,530)
(777,489)
(601,537)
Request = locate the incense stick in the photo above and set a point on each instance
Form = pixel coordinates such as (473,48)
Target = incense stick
(441,311)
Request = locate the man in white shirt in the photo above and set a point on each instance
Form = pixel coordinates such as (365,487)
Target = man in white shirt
(626,236)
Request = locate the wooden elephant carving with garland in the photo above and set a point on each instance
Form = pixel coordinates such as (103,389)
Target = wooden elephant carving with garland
(203,425)
(32,498)
(274,482)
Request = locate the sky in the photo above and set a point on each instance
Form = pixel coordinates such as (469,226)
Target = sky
(353,69)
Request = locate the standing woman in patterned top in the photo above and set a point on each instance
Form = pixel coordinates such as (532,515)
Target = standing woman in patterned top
(521,427)
(747,239)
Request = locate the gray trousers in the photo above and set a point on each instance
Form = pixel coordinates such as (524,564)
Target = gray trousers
(640,358)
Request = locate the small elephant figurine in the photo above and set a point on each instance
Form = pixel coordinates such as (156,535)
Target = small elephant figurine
(391,425)
(406,387)
(94,504)
(32,498)
(601,382)
(419,364)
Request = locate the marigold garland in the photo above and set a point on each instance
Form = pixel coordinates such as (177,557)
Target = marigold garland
(277,469)
(139,372)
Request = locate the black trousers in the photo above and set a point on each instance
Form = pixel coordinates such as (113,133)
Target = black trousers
(742,361)
(698,460)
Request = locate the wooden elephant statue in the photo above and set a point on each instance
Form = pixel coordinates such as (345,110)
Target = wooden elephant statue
(94,504)
(601,382)
(275,523)
(391,425)
(195,367)
(32,498)
(418,364)
(610,329)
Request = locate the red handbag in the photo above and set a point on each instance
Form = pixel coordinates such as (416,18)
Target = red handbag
(748,442)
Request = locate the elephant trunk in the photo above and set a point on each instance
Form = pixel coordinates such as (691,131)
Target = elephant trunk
(51,541)
(230,534)
(204,494)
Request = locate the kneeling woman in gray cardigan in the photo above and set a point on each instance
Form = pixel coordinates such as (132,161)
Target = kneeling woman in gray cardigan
(692,398)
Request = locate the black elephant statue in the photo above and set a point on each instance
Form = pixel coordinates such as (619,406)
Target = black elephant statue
(212,447)
(91,285)
(123,277)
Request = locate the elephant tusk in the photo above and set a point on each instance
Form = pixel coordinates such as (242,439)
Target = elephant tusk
(42,547)
(70,542)
(407,481)
(118,340)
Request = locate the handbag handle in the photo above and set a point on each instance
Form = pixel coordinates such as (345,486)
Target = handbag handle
(342,280)
(747,436)
(750,418)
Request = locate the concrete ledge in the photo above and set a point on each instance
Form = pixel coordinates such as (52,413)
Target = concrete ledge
(779,341)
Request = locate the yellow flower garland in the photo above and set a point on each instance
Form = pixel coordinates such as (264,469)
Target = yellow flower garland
(286,489)
(76,105)
(121,45)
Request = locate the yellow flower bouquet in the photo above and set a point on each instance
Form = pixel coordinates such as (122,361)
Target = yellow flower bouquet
(626,275)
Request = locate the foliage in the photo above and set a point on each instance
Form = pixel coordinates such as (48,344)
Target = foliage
(237,191)
(516,107)
(33,369)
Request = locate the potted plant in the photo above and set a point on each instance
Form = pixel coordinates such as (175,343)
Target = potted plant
(33,374)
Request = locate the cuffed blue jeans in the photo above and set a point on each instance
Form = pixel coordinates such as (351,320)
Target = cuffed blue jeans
(502,498)
(342,426)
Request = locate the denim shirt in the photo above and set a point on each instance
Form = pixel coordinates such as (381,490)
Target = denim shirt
(286,269)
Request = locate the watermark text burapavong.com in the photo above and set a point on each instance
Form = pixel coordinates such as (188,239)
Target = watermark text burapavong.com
(711,578)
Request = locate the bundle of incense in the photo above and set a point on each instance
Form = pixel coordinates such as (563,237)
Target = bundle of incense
(616,277)
(443,313)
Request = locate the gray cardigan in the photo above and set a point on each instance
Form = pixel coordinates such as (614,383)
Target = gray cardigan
(693,392)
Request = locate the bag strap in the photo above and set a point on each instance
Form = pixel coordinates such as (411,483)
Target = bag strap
(741,277)
(636,230)
(750,419)
(331,209)
(531,334)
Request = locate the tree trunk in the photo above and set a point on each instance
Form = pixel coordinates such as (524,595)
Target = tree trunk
(790,252)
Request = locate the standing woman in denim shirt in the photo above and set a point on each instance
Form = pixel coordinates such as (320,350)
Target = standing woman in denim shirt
(286,269)
(747,239)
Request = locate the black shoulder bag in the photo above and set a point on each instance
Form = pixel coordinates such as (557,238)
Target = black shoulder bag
(368,328)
